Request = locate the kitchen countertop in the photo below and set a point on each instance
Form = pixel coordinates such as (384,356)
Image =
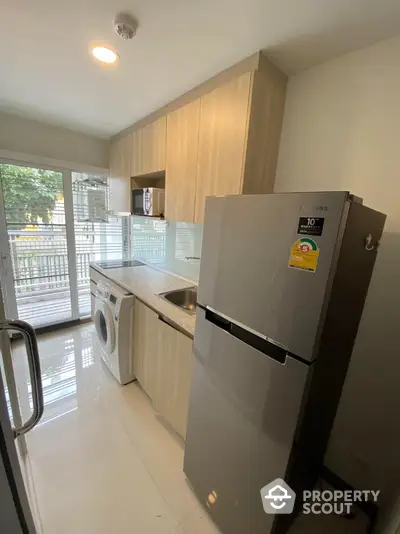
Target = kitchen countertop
(146,283)
(185,269)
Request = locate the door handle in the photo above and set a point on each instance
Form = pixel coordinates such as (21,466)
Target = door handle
(32,351)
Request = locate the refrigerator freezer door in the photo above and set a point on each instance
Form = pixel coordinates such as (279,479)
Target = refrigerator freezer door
(245,273)
(243,413)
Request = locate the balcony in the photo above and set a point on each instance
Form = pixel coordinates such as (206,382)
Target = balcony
(41,269)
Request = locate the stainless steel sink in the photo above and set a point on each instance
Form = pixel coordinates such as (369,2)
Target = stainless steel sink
(182,298)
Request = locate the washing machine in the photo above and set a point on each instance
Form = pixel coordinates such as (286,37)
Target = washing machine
(112,313)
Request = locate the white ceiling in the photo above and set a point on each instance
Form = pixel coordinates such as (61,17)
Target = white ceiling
(46,72)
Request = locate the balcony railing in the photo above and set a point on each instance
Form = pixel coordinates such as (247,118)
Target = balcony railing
(41,276)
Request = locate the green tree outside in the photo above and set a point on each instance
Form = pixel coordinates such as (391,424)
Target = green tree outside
(30,194)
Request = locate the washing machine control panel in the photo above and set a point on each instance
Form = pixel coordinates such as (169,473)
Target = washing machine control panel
(116,303)
(105,292)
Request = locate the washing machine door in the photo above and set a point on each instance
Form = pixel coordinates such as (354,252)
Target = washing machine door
(104,323)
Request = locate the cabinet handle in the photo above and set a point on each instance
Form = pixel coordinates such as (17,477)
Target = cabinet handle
(171,324)
(166,321)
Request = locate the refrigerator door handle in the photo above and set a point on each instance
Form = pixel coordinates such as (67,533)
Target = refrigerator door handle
(32,351)
(218,320)
(246,336)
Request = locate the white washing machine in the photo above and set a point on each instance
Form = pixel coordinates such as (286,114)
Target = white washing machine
(112,312)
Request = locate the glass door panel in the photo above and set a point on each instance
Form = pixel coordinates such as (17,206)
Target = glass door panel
(99,235)
(16,394)
(34,212)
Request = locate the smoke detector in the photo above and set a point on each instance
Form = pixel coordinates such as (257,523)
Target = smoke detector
(125,25)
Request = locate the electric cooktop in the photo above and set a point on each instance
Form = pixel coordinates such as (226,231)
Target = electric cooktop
(115,264)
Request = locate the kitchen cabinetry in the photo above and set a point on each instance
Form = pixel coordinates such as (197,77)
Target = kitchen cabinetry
(148,145)
(120,181)
(171,397)
(145,347)
(181,162)
(222,139)
(154,137)
(266,107)
(240,127)
(136,153)
(163,365)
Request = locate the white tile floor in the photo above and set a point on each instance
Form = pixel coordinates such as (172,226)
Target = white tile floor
(103,462)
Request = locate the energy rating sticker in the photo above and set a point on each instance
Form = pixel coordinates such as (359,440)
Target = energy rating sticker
(304,255)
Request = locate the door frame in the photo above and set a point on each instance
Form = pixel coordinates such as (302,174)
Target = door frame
(6,272)
(11,480)
(71,248)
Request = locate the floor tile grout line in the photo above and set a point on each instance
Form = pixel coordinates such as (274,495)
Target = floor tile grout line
(149,473)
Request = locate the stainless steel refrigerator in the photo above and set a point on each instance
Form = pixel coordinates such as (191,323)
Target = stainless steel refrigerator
(283,280)
(17,516)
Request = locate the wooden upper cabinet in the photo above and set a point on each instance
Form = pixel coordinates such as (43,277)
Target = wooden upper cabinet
(153,143)
(181,162)
(223,130)
(264,130)
(120,162)
(136,153)
(147,150)
(114,159)
(224,142)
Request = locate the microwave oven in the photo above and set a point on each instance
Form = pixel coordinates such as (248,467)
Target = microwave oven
(148,201)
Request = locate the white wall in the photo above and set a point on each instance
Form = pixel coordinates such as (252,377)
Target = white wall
(342,131)
(25,136)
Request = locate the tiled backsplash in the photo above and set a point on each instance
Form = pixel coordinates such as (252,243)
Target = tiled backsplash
(168,245)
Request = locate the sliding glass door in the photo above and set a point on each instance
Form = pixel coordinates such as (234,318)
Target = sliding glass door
(98,235)
(53,223)
(35,258)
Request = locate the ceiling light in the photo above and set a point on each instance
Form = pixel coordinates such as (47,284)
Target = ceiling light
(105,54)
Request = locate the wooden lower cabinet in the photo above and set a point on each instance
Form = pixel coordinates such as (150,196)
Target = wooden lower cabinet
(145,347)
(163,365)
(174,374)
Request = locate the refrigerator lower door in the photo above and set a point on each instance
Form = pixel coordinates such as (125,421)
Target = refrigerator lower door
(243,412)
(249,269)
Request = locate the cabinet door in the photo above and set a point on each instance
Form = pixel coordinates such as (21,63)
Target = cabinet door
(171,397)
(145,356)
(120,178)
(224,117)
(181,162)
(153,146)
(136,153)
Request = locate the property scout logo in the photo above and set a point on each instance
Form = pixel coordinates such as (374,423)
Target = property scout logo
(279,498)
